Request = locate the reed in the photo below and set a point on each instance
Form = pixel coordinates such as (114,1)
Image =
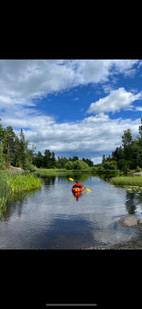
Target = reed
(11,183)
(127,181)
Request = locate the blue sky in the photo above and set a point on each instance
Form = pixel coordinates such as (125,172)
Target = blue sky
(72,107)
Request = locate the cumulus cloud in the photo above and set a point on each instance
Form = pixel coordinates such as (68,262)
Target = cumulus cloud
(115,101)
(139,108)
(31,79)
(93,135)
(24,81)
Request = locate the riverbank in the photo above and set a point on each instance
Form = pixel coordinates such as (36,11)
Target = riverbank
(134,180)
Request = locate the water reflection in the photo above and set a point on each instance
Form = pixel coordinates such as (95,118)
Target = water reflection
(49,180)
(77,195)
(130,203)
(80,176)
(109,174)
(15,204)
(55,217)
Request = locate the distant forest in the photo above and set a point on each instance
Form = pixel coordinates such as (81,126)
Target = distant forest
(128,156)
(14,151)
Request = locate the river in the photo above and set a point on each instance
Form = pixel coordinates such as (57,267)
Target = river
(53,218)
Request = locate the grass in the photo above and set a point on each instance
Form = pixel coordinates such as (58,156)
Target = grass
(17,183)
(127,181)
(11,183)
(56,171)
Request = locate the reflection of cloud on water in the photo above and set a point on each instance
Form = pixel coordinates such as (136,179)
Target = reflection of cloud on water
(52,218)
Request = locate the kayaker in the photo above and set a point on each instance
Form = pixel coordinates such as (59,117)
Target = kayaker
(77,184)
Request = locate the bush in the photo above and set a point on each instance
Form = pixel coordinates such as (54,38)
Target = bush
(69,165)
(138,169)
(30,167)
(80,165)
(110,165)
(77,165)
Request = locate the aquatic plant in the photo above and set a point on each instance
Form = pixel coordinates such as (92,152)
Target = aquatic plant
(127,181)
(11,183)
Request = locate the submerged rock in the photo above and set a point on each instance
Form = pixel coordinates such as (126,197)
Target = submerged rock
(132,220)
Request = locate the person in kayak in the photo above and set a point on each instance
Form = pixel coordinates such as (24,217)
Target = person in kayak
(77,185)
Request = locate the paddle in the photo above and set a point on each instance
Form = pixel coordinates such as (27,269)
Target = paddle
(71,179)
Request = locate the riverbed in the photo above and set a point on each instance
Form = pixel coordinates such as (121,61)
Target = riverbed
(53,218)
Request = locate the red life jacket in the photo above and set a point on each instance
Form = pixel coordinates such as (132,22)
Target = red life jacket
(77,185)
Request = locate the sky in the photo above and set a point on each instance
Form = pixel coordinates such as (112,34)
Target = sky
(74,107)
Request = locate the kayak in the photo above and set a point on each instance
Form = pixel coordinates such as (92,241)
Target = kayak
(78,189)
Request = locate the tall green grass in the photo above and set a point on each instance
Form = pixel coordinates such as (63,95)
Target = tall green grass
(49,172)
(127,181)
(11,183)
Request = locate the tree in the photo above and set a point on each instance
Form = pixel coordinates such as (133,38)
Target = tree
(126,142)
(110,165)
(61,162)
(47,158)
(69,165)
(118,154)
(38,160)
(127,138)
(88,161)
(53,160)
(103,159)
(140,131)
(22,149)
(2,137)
(9,145)
(79,165)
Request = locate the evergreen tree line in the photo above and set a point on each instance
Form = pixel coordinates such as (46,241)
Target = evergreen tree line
(14,151)
(48,160)
(128,155)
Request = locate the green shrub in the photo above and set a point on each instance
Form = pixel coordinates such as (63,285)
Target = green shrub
(69,165)
(80,165)
(138,169)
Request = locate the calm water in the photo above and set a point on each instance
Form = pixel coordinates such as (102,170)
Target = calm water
(53,218)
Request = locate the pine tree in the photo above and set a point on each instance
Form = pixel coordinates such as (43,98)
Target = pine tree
(22,149)
(140,131)
(9,145)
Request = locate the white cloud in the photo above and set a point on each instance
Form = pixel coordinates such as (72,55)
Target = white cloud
(93,135)
(115,101)
(22,81)
(29,79)
(97,160)
(139,108)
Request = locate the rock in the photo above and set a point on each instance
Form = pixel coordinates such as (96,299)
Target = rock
(131,221)
(18,170)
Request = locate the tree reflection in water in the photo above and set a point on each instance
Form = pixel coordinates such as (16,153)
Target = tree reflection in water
(130,203)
